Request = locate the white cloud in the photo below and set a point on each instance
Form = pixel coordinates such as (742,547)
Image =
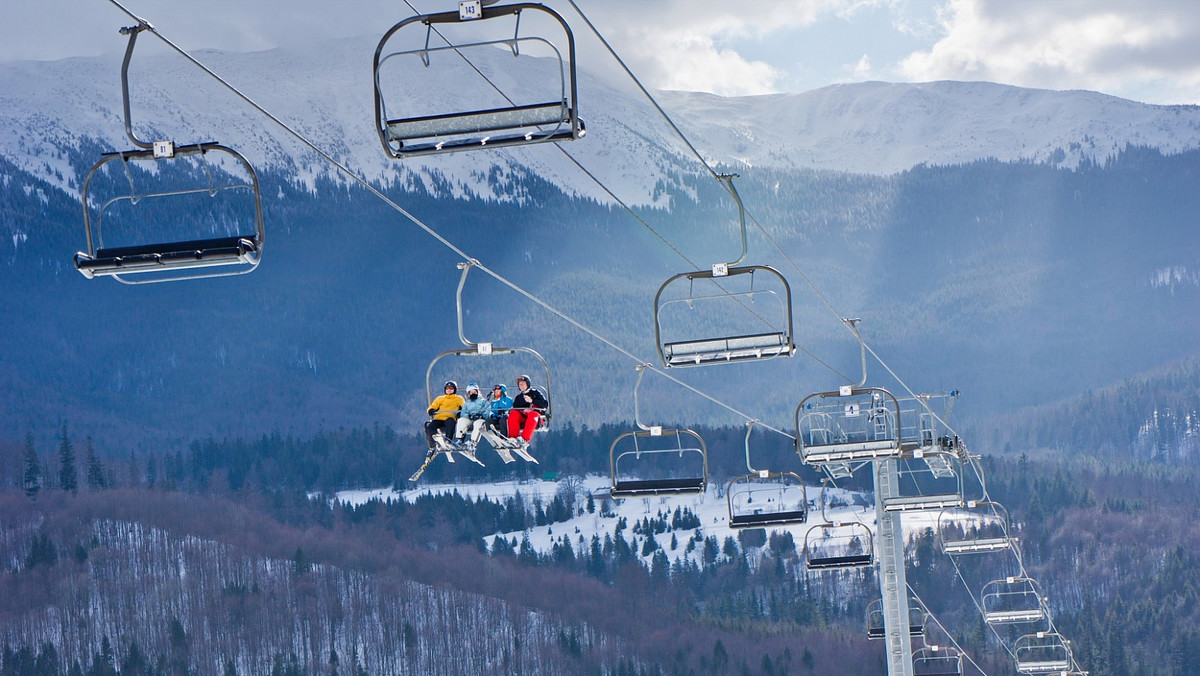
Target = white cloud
(684,44)
(1148,50)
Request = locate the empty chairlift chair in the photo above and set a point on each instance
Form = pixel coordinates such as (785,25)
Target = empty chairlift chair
(977,527)
(481,116)
(1044,652)
(937,661)
(658,461)
(1012,600)
(876,626)
(724,315)
(653,460)
(765,498)
(165,212)
(836,544)
(922,487)
(730,313)
(851,424)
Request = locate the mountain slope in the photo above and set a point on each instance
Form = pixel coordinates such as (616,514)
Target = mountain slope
(325,93)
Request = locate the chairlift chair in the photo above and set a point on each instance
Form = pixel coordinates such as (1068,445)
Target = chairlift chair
(729,319)
(876,625)
(1044,652)
(1012,600)
(644,462)
(850,424)
(126,256)
(937,661)
(504,446)
(838,544)
(549,117)
(718,325)
(686,471)
(765,498)
(848,544)
(977,527)
(923,488)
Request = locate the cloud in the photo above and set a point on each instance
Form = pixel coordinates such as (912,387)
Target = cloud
(1147,51)
(686,44)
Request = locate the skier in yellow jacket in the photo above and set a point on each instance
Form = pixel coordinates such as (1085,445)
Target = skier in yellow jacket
(444,412)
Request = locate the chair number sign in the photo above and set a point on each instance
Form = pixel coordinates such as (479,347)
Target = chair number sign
(469,9)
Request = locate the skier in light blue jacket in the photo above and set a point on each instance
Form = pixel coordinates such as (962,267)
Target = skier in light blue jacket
(473,416)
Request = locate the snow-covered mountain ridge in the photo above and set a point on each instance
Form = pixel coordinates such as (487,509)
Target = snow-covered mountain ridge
(325,94)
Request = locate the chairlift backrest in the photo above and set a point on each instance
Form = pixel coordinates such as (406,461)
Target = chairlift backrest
(517,123)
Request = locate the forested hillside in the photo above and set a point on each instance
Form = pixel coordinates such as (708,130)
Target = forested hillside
(224,540)
(1019,284)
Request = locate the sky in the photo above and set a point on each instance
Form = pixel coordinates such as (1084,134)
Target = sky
(1143,50)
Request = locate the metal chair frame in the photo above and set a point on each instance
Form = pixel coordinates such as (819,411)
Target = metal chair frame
(513,125)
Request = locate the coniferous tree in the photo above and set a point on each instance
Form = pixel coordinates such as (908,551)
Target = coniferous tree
(32,481)
(95,469)
(67,476)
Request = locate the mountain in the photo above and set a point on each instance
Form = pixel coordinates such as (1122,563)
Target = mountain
(325,93)
(1020,245)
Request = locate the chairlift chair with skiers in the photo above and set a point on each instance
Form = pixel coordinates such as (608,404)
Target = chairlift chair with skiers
(504,446)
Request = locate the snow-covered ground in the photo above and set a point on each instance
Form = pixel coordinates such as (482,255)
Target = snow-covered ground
(711,508)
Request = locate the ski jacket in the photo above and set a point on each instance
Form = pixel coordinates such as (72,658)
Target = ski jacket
(446,406)
(537,400)
(501,406)
(475,410)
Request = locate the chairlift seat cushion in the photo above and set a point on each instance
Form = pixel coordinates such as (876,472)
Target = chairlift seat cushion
(146,257)
(840,561)
(972,546)
(1044,667)
(915,503)
(656,486)
(1012,616)
(734,348)
(768,518)
(239,245)
(838,452)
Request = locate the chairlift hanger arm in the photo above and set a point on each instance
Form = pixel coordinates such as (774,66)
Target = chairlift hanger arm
(727,179)
(132,32)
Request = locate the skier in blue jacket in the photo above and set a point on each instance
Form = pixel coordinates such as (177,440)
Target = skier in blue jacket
(473,417)
(501,403)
